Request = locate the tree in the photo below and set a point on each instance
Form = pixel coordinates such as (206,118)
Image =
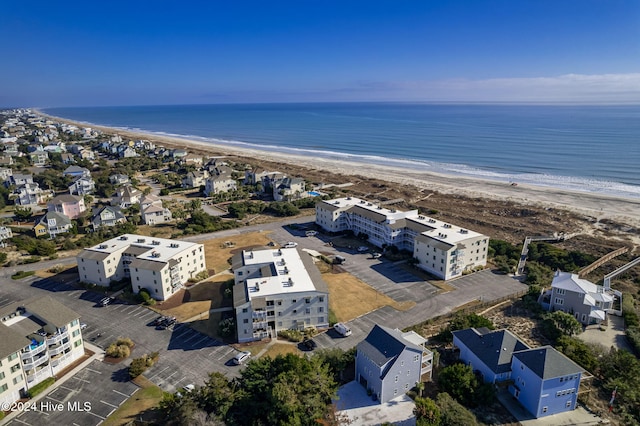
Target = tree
(217,395)
(459,381)
(454,414)
(427,412)
(23,214)
(566,323)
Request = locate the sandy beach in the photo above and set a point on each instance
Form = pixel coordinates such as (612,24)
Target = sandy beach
(596,206)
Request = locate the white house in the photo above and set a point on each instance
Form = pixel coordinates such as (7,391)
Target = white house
(277,290)
(160,265)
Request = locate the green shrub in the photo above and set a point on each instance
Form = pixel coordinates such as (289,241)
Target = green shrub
(37,389)
(140,365)
(32,259)
(291,335)
(22,274)
(118,351)
(125,341)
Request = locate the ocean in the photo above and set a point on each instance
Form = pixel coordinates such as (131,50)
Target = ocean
(587,148)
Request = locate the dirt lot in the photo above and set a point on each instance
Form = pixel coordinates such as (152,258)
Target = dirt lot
(196,300)
(219,251)
(350,297)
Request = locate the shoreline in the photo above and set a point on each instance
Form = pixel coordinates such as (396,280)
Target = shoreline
(598,206)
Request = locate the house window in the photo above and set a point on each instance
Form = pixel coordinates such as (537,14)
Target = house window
(401,363)
(77,343)
(295,311)
(560,291)
(245,310)
(558,301)
(17,379)
(75,333)
(293,301)
(406,386)
(395,391)
(15,368)
(396,379)
(279,302)
(307,311)
(246,321)
(416,358)
(321,298)
(307,300)
(4,388)
(320,309)
(568,404)
(545,409)
(12,357)
(1,375)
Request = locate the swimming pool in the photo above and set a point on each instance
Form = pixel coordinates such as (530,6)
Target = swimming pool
(314,193)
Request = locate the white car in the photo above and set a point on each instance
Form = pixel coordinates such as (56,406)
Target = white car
(83,325)
(189,387)
(241,357)
(362,249)
(291,244)
(342,329)
(311,233)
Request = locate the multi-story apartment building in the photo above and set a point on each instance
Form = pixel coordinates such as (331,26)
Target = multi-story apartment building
(442,249)
(40,337)
(160,265)
(277,290)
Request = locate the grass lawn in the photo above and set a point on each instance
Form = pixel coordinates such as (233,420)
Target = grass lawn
(197,299)
(350,297)
(217,254)
(143,404)
(282,349)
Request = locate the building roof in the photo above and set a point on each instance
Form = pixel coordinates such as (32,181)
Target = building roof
(59,218)
(493,348)
(383,344)
(51,311)
(117,213)
(65,198)
(93,255)
(75,169)
(279,271)
(573,282)
(547,363)
(12,341)
(155,249)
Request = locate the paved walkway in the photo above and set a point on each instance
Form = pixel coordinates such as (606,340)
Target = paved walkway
(611,334)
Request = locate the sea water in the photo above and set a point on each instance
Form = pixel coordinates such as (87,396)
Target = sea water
(589,148)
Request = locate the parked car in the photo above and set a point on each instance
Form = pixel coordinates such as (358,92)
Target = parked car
(311,233)
(106,301)
(291,244)
(83,325)
(376,255)
(158,320)
(339,260)
(189,387)
(342,329)
(309,344)
(241,357)
(362,249)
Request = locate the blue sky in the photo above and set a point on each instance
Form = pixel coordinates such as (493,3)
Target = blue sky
(167,52)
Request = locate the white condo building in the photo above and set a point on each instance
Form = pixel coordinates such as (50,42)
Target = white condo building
(160,265)
(40,338)
(442,249)
(277,290)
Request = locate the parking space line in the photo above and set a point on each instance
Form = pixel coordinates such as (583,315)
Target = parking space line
(157,374)
(195,335)
(143,312)
(120,393)
(21,421)
(200,341)
(110,405)
(53,399)
(98,416)
(82,380)
(94,371)
(134,391)
(70,390)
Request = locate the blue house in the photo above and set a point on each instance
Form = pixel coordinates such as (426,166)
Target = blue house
(390,362)
(488,352)
(545,382)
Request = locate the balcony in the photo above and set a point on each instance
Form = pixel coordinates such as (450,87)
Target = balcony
(262,325)
(30,365)
(56,338)
(33,351)
(58,350)
(38,376)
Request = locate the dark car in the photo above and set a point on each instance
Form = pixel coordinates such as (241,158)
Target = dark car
(157,321)
(309,344)
(106,301)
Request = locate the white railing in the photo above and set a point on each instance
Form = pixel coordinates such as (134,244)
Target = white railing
(33,352)
(36,363)
(60,349)
(57,338)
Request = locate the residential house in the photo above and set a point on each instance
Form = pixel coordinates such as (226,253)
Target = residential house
(220,181)
(488,352)
(5,174)
(152,211)
(39,158)
(67,158)
(119,179)
(72,206)
(389,362)
(277,290)
(126,196)
(288,189)
(6,160)
(82,185)
(192,159)
(11,149)
(18,179)
(162,266)
(30,194)
(5,234)
(87,154)
(195,179)
(76,171)
(545,381)
(107,216)
(178,154)
(442,249)
(40,338)
(586,301)
(128,152)
(52,224)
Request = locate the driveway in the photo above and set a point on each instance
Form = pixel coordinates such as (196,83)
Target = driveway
(362,410)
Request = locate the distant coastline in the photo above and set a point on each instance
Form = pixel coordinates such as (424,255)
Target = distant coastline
(598,206)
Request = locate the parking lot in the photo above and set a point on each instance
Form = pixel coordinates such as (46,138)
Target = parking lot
(85,399)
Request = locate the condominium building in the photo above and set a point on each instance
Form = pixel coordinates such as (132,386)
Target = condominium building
(40,338)
(160,265)
(442,249)
(277,290)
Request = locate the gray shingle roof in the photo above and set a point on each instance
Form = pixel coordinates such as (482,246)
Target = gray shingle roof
(11,340)
(383,344)
(51,311)
(494,349)
(92,255)
(548,363)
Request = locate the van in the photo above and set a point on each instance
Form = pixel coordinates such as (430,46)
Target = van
(342,329)
(339,260)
